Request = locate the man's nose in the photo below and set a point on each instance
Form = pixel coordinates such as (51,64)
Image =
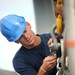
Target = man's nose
(25,35)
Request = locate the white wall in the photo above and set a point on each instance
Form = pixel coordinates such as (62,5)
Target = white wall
(19,7)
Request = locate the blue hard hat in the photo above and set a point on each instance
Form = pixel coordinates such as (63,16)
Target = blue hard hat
(12,27)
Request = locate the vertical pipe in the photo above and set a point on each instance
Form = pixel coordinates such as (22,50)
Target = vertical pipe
(69,33)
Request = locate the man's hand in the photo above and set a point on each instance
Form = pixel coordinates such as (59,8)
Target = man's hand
(50,41)
(49,62)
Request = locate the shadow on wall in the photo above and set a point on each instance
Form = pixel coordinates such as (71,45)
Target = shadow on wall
(6,72)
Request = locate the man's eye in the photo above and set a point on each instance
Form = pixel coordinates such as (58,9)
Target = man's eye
(25,31)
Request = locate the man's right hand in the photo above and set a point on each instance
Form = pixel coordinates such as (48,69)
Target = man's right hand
(49,62)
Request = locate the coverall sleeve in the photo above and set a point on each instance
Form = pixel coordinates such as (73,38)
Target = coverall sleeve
(22,67)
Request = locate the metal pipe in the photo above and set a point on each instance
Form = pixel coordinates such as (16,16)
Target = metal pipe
(69,34)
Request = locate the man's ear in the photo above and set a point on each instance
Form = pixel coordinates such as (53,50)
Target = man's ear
(17,42)
(28,24)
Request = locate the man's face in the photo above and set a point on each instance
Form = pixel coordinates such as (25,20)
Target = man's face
(28,36)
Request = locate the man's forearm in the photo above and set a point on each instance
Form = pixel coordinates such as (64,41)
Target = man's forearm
(42,71)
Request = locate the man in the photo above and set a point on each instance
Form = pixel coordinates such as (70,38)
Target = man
(33,58)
